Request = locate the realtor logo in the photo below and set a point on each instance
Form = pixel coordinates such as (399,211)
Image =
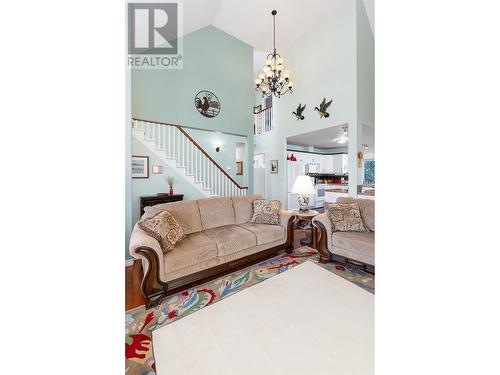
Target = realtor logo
(153,35)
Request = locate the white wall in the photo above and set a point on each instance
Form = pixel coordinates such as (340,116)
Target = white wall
(322,64)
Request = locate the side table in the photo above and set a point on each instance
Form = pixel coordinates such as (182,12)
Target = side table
(303,220)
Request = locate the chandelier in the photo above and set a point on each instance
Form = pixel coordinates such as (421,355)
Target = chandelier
(275,79)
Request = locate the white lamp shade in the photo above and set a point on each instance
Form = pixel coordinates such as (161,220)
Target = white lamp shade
(303,185)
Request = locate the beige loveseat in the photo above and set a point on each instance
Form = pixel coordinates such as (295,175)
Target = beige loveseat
(219,238)
(354,247)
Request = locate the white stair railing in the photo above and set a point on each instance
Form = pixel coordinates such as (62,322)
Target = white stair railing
(263,121)
(178,144)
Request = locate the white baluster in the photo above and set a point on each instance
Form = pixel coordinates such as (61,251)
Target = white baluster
(191,158)
(195,163)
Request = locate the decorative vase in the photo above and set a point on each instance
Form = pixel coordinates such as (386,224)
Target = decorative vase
(303,202)
(171,191)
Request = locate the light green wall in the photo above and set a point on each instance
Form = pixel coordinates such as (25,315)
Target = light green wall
(365,70)
(214,61)
(365,67)
(323,64)
(226,157)
(156,183)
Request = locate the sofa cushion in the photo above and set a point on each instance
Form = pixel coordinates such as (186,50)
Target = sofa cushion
(186,213)
(265,233)
(216,212)
(367,208)
(355,245)
(243,208)
(266,212)
(231,239)
(163,228)
(194,249)
(345,217)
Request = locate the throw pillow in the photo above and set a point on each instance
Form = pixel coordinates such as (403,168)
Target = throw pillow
(164,228)
(345,217)
(266,212)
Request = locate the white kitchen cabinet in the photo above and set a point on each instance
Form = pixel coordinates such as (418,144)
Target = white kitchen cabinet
(327,164)
(345,159)
(295,168)
(340,163)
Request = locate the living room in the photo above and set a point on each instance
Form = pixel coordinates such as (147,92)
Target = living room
(217,202)
(186,125)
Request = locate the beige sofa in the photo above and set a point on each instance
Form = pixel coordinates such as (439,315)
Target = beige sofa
(219,238)
(354,247)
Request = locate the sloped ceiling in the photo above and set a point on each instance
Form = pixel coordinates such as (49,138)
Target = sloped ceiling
(251,21)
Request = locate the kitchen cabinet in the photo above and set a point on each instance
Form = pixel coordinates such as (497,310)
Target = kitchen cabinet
(327,163)
(340,163)
(295,168)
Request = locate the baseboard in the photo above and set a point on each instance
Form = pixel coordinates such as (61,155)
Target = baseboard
(129,262)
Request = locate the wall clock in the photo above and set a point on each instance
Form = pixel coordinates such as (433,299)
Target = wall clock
(207,103)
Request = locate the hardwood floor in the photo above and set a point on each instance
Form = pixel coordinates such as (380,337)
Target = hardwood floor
(133,276)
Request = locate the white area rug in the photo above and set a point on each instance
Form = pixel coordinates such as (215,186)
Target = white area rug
(306,320)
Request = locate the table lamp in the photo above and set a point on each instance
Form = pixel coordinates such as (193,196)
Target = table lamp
(304,187)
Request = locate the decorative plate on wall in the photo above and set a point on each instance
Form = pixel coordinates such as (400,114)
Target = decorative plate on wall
(207,103)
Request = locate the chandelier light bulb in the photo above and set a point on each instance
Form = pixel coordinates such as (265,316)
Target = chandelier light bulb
(290,84)
(257,81)
(268,62)
(279,61)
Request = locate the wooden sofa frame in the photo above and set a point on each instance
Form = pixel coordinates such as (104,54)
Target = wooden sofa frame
(154,290)
(326,256)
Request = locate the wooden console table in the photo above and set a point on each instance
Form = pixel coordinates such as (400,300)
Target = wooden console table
(158,199)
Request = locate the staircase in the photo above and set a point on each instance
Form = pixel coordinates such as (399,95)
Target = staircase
(173,145)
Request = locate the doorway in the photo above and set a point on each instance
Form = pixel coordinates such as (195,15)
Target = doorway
(259,174)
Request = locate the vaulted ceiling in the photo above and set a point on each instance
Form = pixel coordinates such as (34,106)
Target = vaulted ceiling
(251,21)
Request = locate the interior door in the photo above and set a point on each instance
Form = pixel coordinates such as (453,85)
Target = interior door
(259,174)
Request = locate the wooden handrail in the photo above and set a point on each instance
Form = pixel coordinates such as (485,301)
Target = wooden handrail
(262,110)
(198,146)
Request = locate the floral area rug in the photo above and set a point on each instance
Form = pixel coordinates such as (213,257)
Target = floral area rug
(140,323)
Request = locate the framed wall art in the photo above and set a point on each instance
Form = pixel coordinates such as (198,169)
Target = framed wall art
(207,103)
(140,166)
(239,167)
(274,166)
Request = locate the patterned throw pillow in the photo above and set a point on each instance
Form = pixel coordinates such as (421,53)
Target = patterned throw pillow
(345,217)
(164,228)
(266,212)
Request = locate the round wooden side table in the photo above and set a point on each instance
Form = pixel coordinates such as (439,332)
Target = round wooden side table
(303,220)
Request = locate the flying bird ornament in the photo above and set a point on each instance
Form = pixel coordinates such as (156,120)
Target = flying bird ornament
(323,107)
(298,112)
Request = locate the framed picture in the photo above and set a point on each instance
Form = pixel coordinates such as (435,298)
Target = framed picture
(140,166)
(274,166)
(239,167)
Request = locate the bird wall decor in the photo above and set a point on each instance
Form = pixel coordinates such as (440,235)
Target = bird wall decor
(298,112)
(323,107)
